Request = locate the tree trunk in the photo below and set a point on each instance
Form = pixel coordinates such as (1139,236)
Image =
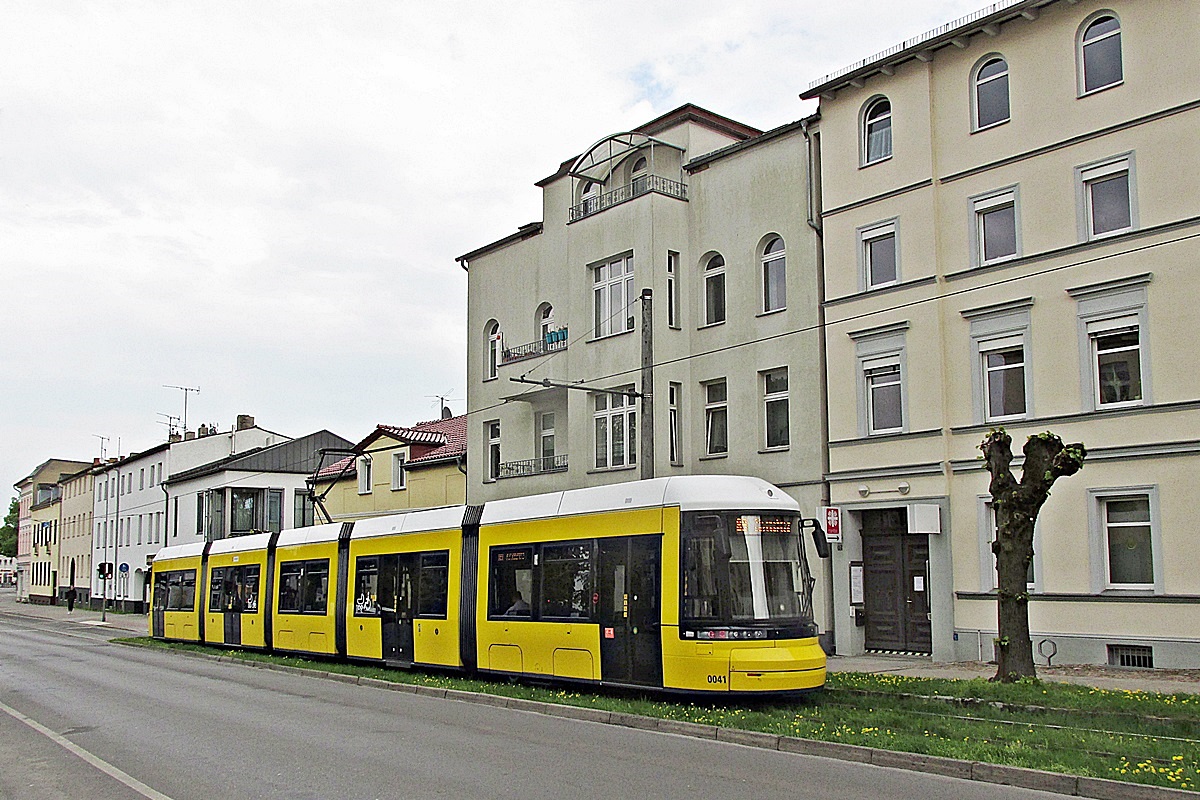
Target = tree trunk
(1016,506)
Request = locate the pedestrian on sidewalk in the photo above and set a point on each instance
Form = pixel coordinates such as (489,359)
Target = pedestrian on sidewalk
(71,595)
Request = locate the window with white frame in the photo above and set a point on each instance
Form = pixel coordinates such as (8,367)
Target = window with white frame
(491,434)
(714,290)
(637,175)
(545,322)
(615,421)
(674,390)
(716,418)
(1128,541)
(589,196)
(995,220)
(1000,347)
(775,407)
(881,355)
(774,276)
(878,255)
(493,342)
(364,474)
(1106,197)
(877,131)
(612,292)
(1116,353)
(991,93)
(673,289)
(545,443)
(1099,53)
(399,471)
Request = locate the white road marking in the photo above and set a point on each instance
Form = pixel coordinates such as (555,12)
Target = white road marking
(97,762)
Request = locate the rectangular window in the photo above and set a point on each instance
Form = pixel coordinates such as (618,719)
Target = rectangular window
(673,290)
(399,474)
(177,590)
(365,481)
(303,586)
(140,518)
(716,418)
(275,510)
(511,582)
(243,512)
(1106,191)
(566,578)
(884,396)
(491,432)
(615,420)
(545,443)
(878,255)
(613,296)
(434,584)
(142,478)
(1128,541)
(673,392)
(1116,353)
(302,509)
(366,586)
(1003,364)
(775,407)
(995,227)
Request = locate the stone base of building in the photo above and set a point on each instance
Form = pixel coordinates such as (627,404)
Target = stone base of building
(1062,650)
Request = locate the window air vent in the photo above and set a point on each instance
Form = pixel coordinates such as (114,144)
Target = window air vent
(1131,655)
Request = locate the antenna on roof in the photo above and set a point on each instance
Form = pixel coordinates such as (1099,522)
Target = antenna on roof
(443,399)
(103,440)
(185,390)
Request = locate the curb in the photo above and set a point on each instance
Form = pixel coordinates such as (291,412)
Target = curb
(1002,774)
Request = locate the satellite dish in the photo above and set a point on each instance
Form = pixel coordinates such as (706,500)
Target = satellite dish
(446,412)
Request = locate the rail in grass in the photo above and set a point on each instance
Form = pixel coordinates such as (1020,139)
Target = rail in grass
(692,584)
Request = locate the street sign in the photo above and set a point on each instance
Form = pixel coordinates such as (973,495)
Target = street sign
(124,567)
(831,518)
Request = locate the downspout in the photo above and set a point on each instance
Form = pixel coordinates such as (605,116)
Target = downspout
(812,164)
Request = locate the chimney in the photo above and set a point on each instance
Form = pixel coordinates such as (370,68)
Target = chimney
(174,437)
(244,422)
(189,435)
(96,462)
(203,431)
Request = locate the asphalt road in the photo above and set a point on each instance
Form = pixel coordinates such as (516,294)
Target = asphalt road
(80,717)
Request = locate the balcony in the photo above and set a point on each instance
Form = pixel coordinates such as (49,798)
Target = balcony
(552,342)
(533,466)
(637,188)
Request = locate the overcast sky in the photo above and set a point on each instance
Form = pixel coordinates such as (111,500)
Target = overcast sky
(264,200)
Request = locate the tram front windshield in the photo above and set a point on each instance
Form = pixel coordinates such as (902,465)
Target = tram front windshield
(745,570)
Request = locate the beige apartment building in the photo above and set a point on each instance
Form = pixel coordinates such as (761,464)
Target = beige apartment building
(710,215)
(1011,230)
(75,534)
(39,529)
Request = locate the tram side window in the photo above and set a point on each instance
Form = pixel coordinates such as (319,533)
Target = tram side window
(216,590)
(567,580)
(366,587)
(700,559)
(180,590)
(512,581)
(250,589)
(433,588)
(303,586)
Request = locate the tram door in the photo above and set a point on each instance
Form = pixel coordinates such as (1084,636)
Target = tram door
(397,575)
(630,613)
(158,617)
(232,603)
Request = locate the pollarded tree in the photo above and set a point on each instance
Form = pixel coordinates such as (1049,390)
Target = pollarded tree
(1016,506)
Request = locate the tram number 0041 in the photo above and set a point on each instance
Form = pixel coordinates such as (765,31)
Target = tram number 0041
(717,678)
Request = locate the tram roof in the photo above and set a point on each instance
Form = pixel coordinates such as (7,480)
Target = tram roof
(688,492)
(180,551)
(433,519)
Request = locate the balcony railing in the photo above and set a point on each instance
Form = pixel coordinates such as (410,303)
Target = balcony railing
(636,188)
(550,343)
(534,466)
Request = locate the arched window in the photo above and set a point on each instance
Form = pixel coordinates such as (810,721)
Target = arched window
(637,175)
(774,274)
(589,197)
(1099,54)
(714,290)
(545,321)
(491,354)
(877,131)
(991,93)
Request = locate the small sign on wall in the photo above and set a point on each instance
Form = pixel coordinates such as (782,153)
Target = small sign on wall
(831,520)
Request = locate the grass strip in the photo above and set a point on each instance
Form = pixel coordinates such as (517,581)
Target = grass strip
(1076,730)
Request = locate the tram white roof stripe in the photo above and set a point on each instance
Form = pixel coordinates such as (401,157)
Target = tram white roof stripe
(688,492)
(312,534)
(433,519)
(240,544)
(180,551)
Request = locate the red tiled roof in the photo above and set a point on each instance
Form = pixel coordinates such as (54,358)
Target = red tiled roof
(447,437)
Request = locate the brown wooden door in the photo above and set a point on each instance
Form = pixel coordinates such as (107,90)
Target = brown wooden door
(895,583)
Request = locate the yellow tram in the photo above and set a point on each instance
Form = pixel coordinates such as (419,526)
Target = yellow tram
(691,583)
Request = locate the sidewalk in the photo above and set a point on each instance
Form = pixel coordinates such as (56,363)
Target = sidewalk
(119,624)
(1179,681)
(1113,679)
